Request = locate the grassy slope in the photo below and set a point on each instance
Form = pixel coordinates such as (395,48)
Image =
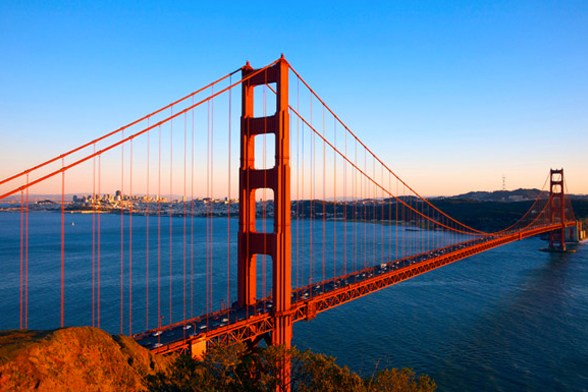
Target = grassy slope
(76,359)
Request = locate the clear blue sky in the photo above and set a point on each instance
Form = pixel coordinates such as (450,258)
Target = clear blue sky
(452,94)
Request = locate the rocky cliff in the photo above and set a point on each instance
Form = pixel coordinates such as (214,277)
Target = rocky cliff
(74,359)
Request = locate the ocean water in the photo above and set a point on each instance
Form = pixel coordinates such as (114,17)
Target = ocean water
(511,319)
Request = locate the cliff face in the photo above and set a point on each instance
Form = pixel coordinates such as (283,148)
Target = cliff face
(74,359)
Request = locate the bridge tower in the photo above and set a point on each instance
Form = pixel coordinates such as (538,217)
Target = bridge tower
(557,239)
(276,244)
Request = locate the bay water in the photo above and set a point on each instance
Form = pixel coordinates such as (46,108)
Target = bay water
(510,319)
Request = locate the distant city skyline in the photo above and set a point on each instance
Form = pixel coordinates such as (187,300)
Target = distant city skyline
(453,96)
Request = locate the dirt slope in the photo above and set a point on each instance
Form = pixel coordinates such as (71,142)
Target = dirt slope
(74,359)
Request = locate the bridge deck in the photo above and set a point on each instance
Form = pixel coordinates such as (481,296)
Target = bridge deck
(250,324)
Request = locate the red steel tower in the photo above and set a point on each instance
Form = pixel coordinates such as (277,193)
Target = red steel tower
(557,208)
(276,244)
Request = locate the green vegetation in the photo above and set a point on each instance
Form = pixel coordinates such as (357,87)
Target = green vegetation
(89,359)
(496,215)
(235,368)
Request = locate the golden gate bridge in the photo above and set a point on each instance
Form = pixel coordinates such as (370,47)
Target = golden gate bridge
(321,222)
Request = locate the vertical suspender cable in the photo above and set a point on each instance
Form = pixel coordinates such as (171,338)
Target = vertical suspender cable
(94,237)
(355,211)
(26,266)
(192,218)
(171,213)
(98,245)
(396,248)
(264,192)
(302,193)
(335,202)
(211,197)
(311,173)
(365,195)
(212,171)
(62,323)
(21,265)
(404,221)
(389,206)
(159,315)
(147,228)
(345,206)
(208,215)
(185,211)
(324,185)
(131,201)
(375,216)
(229,199)
(298,174)
(383,218)
(122,251)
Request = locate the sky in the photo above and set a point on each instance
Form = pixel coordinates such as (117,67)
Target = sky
(454,96)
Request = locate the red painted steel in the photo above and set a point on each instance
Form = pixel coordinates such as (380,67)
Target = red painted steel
(247,321)
(251,242)
(558,209)
(120,142)
(257,326)
(277,244)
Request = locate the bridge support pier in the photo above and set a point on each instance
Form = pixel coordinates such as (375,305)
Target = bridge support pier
(277,244)
(198,348)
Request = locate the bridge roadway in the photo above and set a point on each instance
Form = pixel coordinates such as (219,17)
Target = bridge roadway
(253,323)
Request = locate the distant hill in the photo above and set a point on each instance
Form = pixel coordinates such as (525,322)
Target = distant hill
(508,196)
(516,195)
(492,211)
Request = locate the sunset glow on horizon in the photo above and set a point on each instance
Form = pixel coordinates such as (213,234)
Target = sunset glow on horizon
(452,97)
